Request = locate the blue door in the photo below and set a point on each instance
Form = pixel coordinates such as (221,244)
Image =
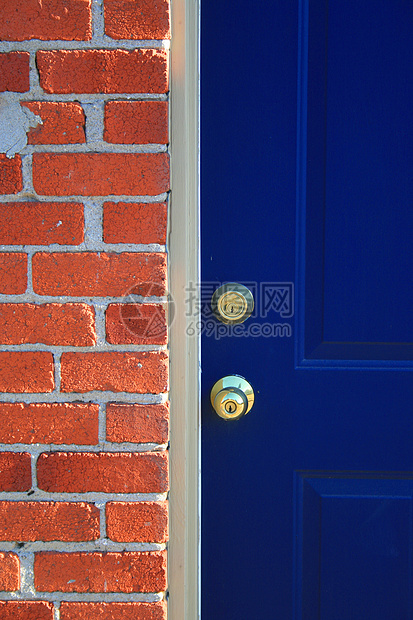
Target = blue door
(307,199)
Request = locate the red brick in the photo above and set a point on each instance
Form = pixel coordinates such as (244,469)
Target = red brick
(11,180)
(100,572)
(15,472)
(26,610)
(137,423)
(29,521)
(103,71)
(63,123)
(137,19)
(57,423)
(129,222)
(81,472)
(137,521)
(136,122)
(26,371)
(52,324)
(47,20)
(14,67)
(9,573)
(113,611)
(13,273)
(101,174)
(99,274)
(41,223)
(141,373)
(136,324)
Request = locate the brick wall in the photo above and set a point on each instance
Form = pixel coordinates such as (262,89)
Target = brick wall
(83,360)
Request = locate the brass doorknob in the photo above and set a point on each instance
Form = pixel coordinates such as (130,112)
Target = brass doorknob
(232,397)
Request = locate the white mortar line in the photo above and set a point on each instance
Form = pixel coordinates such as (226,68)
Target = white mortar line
(105,447)
(26,172)
(33,72)
(26,575)
(99,597)
(88,496)
(37,94)
(29,290)
(103,536)
(97,43)
(56,610)
(98,22)
(100,325)
(94,125)
(79,198)
(102,425)
(100,301)
(104,397)
(33,461)
(96,200)
(104,545)
(93,144)
(93,224)
(56,362)
(104,348)
(84,247)
(82,199)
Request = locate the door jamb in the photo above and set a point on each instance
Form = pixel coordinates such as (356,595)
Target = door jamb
(183,242)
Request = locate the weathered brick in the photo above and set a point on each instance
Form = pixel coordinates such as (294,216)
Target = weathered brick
(142,373)
(99,274)
(15,471)
(41,223)
(113,611)
(129,222)
(137,423)
(52,324)
(14,68)
(103,71)
(136,324)
(136,122)
(26,371)
(100,174)
(137,521)
(13,273)
(47,20)
(81,472)
(26,610)
(137,19)
(29,521)
(63,123)
(11,180)
(100,572)
(9,573)
(57,423)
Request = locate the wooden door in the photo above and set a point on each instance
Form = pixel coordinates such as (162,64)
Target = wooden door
(307,198)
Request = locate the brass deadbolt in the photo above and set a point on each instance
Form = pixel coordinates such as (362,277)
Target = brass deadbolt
(232,303)
(232,397)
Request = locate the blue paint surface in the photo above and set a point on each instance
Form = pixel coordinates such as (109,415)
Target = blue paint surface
(336,395)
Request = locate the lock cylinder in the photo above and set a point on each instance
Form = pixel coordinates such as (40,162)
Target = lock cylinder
(232,303)
(232,397)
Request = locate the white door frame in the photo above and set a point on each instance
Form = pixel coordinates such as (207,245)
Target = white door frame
(183,243)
